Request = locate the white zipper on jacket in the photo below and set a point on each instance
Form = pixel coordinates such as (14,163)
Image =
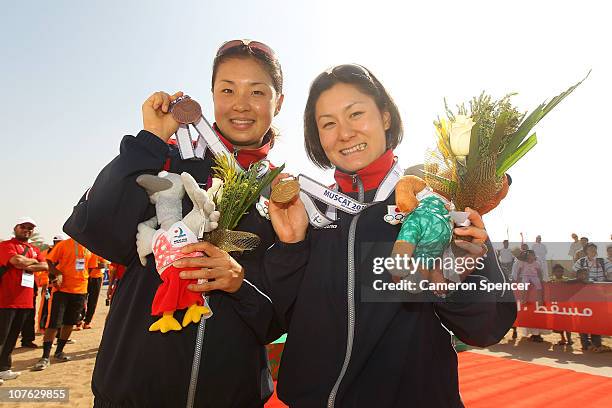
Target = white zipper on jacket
(197,357)
(331,401)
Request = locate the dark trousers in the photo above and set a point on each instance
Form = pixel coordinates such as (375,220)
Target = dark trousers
(587,340)
(93,292)
(27,331)
(11,322)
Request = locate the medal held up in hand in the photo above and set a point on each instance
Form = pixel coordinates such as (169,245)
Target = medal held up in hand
(193,125)
(186,111)
(285,191)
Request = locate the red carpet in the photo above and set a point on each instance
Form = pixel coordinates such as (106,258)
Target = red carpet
(487,382)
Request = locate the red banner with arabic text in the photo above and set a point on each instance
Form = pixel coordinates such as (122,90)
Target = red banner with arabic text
(575,307)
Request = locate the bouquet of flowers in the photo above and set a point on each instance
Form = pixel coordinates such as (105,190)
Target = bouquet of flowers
(478,144)
(234,191)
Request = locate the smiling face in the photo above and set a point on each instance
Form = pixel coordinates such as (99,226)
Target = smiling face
(245,101)
(351,127)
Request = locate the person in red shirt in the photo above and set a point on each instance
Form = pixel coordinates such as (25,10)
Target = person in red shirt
(115,273)
(18,262)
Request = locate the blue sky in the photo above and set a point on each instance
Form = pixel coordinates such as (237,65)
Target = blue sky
(74,75)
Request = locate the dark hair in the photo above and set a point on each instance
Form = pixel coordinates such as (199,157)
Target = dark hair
(558,266)
(365,82)
(268,62)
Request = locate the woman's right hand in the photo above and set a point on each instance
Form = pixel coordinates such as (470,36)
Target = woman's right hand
(156,117)
(290,220)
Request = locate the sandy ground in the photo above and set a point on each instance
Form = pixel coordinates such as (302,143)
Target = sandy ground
(76,374)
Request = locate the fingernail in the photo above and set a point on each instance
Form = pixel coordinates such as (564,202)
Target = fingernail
(178,264)
(183,275)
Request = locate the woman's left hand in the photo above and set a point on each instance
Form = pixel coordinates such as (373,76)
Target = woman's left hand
(218,265)
(476,248)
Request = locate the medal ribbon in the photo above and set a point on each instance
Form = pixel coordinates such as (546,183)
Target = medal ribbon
(312,190)
(207,139)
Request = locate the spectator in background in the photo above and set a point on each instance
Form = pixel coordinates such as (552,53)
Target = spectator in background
(527,269)
(574,246)
(592,263)
(69,265)
(115,273)
(595,268)
(540,251)
(582,276)
(94,284)
(18,260)
(558,274)
(45,289)
(506,259)
(581,252)
(558,277)
(608,263)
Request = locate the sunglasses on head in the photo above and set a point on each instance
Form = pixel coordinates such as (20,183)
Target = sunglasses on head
(349,69)
(249,44)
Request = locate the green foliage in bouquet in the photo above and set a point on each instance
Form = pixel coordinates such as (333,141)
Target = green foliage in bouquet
(240,189)
(479,143)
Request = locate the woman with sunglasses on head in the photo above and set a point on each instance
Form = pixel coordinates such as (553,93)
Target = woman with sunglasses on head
(220,362)
(356,349)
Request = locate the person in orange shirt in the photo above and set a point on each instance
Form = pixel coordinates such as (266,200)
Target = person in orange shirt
(42,281)
(69,265)
(94,284)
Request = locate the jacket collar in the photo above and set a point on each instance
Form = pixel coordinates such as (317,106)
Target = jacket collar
(246,157)
(371,176)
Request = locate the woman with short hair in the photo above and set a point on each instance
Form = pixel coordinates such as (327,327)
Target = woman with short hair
(347,346)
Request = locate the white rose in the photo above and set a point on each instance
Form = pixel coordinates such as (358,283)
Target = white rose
(215,189)
(460,133)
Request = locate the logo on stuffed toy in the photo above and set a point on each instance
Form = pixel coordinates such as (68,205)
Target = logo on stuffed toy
(394,216)
(179,236)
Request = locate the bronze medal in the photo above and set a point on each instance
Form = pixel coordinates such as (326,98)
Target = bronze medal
(186,111)
(285,191)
